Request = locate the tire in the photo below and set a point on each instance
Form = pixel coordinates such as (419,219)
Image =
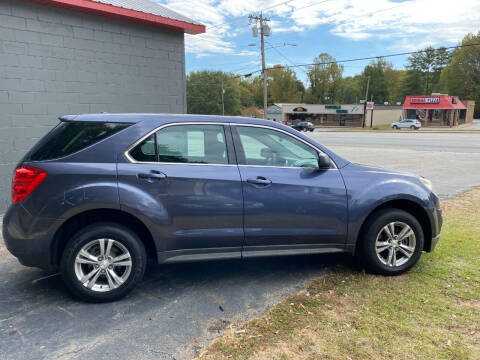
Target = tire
(413,127)
(395,127)
(311,130)
(375,228)
(124,244)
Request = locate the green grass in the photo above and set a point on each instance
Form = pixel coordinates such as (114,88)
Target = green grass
(432,312)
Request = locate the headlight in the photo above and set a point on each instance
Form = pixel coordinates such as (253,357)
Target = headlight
(427,183)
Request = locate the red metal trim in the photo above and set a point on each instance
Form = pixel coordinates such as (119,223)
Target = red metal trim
(110,11)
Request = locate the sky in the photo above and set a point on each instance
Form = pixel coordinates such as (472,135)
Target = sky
(302,29)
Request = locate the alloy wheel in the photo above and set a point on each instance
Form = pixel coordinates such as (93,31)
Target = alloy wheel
(395,244)
(103,265)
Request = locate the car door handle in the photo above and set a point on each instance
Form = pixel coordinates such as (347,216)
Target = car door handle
(152,175)
(260,180)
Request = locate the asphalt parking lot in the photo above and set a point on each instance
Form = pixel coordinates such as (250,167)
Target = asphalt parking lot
(178,308)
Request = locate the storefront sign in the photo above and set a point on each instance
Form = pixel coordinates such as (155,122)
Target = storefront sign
(424,100)
(299,108)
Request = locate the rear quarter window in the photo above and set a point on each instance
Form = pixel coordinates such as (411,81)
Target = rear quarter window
(69,137)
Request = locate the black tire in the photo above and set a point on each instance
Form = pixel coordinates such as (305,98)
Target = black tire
(413,127)
(113,231)
(311,130)
(395,127)
(367,251)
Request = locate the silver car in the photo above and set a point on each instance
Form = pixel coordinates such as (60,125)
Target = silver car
(407,124)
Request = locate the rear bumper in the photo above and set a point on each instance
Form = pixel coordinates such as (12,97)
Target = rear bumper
(29,238)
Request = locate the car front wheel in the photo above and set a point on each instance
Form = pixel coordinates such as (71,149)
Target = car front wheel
(103,262)
(392,243)
(395,127)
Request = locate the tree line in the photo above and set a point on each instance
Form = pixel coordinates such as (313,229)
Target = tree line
(454,72)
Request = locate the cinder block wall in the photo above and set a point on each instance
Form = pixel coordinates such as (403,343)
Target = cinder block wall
(55,62)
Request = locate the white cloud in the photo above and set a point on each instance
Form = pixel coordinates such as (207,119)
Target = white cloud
(409,24)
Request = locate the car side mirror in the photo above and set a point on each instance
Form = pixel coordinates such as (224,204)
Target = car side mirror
(323,162)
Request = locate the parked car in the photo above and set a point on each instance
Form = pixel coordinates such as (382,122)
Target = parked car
(407,124)
(101,193)
(303,126)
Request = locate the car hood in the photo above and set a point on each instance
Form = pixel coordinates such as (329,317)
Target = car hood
(372,169)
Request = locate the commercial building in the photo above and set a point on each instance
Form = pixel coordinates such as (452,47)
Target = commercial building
(323,115)
(82,56)
(438,109)
(351,115)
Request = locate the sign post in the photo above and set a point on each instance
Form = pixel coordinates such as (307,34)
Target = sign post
(369,106)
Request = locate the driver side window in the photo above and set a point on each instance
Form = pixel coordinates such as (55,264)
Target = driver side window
(266,147)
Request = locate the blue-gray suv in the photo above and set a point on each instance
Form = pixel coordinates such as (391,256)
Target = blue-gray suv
(102,193)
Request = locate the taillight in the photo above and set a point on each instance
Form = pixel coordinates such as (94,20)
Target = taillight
(25,180)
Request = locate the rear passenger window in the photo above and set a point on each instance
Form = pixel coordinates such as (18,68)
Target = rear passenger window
(69,137)
(193,144)
(145,151)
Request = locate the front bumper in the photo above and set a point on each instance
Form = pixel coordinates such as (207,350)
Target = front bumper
(29,238)
(433,243)
(437,222)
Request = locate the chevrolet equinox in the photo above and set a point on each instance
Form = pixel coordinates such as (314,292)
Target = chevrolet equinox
(101,193)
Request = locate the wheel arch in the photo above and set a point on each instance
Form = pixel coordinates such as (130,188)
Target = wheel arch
(409,206)
(88,217)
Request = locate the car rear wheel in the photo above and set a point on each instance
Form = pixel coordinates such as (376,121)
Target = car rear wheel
(103,262)
(392,243)
(413,127)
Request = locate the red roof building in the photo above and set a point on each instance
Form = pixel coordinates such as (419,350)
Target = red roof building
(435,109)
(144,12)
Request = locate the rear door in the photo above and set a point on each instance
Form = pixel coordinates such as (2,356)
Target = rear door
(184,179)
(291,206)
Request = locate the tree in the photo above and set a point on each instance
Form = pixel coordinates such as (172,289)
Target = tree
(325,79)
(395,80)
(204,93)
(424,70)
(283,85)
(378,85)
(352,89)
(461,76)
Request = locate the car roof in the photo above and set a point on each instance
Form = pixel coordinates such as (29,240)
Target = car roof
(138,117)
(176,118)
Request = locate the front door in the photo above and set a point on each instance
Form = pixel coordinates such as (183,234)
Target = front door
(185,180)
(291,206)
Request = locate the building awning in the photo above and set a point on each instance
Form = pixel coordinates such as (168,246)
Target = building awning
(144,12)
(440,102)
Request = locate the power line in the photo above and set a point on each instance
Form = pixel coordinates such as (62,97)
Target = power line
(240,17)
(286,58)
(371,57)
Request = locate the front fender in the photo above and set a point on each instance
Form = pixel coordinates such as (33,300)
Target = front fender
(369,188)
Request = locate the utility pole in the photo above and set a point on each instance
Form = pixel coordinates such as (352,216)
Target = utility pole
(264,31)
(365,101)
(223,100)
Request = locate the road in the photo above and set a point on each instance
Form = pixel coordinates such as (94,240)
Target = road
(178,308)
(450,160)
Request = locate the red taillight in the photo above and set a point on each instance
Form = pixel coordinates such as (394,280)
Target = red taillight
(25,180)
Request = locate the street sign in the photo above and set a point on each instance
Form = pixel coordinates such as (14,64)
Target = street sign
(370,105)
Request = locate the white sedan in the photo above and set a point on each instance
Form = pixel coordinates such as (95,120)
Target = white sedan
(407,124)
